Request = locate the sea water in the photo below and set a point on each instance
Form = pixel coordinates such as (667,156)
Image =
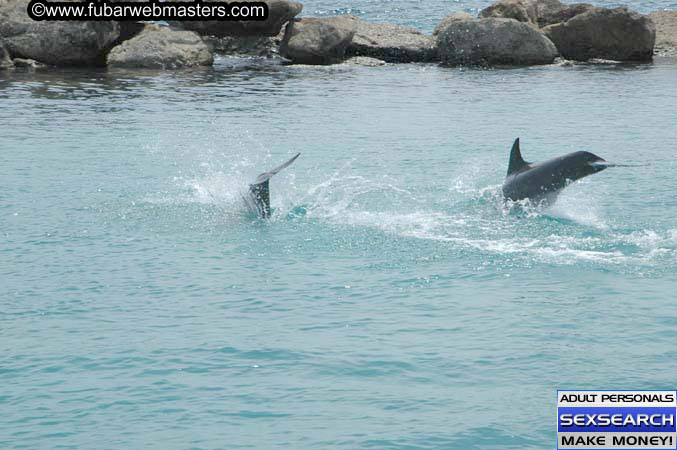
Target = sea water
(392,301)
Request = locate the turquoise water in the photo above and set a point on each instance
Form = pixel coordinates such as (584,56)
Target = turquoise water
(392,301)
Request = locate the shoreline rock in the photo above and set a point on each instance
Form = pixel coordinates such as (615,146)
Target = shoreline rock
(28,63)
(55,42)
(666,32)
(494,41)
(383,41)
(549,12)
(453,17)
(391,43)
(520,10)
(247,46)
(581,31)
(318,40)
(158,47)
(616,34)
(364,61)
(128,30)
(5,60)
(539,13)
(279,13)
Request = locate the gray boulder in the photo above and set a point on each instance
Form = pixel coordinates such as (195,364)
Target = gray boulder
(245,46)
(318,40)
(614,34)
(364,61)
(455,17)
(540,13)
(161,48)
(520,10)
(279,13)
(391,43)
(494,41)
(549,12)
(58,42)
(666,32)
(28,63)
(5,60)
(248,46)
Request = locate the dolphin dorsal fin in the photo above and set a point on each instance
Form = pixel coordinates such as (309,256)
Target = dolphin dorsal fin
(516,163)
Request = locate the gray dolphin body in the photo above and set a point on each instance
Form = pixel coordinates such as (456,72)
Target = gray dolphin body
(544,180)
(257,198)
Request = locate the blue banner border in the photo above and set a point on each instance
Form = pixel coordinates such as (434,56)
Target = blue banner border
(557,447)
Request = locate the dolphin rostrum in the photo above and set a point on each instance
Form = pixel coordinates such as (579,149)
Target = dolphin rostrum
(544,180)
(258,196)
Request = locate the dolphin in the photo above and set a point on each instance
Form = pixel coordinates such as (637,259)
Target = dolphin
(257,198)
(544,180)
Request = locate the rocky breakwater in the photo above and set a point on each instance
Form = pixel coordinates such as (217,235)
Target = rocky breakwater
(55,42)
(329,40)
(122,44)
(581,31)
(391,43)
(246,38)
(509,32)
(539,13)
(279,13)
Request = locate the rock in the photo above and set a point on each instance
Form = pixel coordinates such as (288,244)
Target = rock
(391,43)
(5,60)
(494,41)
(28,63)
(161,48)
(55,42)
(549,12)
(666,31)
(520,10)
(540,13)
(260,46)
(451,18)
(318,40)
(248,46)
(129,29)
(364,61)
(279,13)
(617,34)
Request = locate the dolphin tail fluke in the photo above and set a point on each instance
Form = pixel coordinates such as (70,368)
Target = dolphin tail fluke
(516,163)
(259,190)
(265,176)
